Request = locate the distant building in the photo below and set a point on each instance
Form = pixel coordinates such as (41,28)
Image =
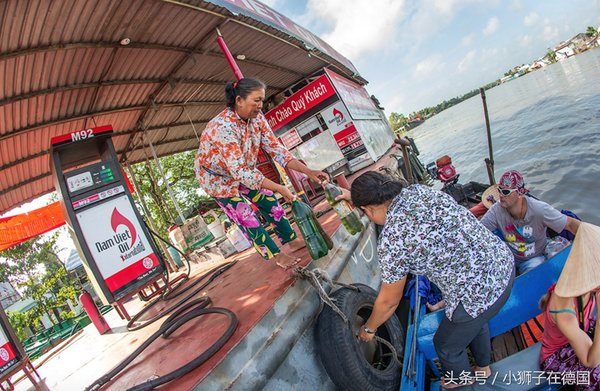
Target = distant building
(8,294)
(75,267)
(577,44)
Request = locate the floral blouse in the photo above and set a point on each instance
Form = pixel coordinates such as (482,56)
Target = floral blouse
(228,153)
(427,233)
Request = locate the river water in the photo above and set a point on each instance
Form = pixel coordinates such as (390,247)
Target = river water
(545,124)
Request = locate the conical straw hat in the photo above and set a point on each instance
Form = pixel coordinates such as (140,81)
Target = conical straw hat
(581,273)
(490,196)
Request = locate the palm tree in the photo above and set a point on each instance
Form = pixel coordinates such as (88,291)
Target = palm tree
(591,31)
(551,56)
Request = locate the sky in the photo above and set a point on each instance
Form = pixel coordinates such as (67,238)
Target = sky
(416,54)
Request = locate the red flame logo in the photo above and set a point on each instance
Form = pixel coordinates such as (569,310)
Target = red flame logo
(117,219)
(337,113)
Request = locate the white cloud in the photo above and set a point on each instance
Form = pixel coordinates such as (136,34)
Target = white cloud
(467,61)
(356,27)
(488,54)
(550,33)
(491,27)
(525,41)
(517,5)
(429,65)
(447,7)
(468,40)
(428,17)
(531,19)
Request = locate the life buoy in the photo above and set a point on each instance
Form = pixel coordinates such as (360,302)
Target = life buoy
(351,364)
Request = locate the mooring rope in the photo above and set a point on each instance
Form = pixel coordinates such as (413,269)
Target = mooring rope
(315,277)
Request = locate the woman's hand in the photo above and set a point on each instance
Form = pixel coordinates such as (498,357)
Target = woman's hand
(363,335)
(286,194)
(436,306)
(344,196)
(318,176)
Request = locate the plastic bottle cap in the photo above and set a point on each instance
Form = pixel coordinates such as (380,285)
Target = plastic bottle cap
(300,193)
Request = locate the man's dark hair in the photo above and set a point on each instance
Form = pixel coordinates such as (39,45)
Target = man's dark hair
(242,88)
(374,188)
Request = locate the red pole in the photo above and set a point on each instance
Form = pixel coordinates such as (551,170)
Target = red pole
(230,60)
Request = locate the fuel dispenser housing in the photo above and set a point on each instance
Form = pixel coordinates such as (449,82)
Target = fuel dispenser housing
(115,245)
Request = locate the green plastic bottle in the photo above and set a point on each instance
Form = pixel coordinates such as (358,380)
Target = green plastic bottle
(310,229)
(349,217)
(326,237)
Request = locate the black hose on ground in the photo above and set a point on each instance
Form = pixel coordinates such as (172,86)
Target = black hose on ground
(171,324)
(214,273)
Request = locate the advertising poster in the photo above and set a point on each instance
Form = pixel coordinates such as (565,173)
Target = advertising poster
(344,132)
(290,139)
(118,245)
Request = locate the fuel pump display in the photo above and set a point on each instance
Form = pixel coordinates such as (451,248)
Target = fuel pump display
(113,241)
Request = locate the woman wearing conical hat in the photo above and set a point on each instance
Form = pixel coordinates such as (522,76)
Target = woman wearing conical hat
(571,341)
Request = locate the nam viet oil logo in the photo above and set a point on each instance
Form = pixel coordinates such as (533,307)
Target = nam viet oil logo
(124,239)
(338,118)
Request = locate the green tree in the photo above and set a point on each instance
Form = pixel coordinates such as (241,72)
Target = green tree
(34,267)
(397,121)
(591,31)
(551,56)
(20,321)
(51,292)
(179,170)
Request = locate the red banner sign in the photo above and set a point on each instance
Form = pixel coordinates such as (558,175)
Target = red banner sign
(301,101)
(348,136)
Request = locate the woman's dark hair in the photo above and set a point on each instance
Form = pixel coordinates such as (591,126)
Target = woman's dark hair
(242,88)
(374,188)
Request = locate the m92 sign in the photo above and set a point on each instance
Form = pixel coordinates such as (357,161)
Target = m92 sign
(82,135)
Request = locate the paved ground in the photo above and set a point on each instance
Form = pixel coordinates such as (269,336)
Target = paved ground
(249,289)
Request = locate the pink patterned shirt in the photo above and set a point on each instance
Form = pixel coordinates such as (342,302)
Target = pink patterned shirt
(228,153)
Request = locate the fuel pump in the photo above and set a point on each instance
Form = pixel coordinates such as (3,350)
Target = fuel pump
(115,245)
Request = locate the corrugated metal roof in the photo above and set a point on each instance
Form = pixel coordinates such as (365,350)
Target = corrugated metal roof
(62,68)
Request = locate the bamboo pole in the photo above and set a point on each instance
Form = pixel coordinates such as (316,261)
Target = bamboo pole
(489,161)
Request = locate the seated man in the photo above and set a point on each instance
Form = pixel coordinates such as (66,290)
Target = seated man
(523,221)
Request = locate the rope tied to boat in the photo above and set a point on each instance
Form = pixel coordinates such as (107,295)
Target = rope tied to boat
(315,277)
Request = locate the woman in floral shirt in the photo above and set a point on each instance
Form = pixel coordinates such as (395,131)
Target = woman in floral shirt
(226,169)
(427,233)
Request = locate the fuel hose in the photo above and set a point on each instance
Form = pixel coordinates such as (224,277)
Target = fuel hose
(194,308)
(177,319)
